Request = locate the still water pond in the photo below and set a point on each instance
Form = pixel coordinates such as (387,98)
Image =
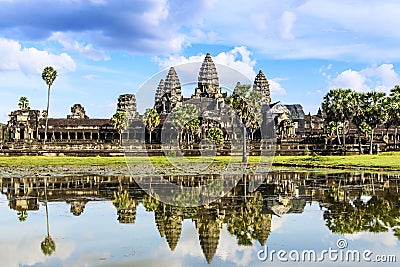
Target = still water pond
(294,218)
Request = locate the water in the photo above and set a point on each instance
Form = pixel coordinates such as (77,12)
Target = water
(109,221)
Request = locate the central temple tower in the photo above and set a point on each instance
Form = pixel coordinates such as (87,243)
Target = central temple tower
(208,84)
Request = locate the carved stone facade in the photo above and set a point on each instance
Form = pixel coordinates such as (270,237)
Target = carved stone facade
(127,104)
(77,112)
(28,126)
(23,125)
(289,119)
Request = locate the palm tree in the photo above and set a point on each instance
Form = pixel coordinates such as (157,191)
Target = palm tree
(245,103)
(49,75)
(193,128)
(375,112)
(338,105)
(359,115)
(151,119)
(22,215)
(23,103)
(119,121)
(48,245)
(181,116)
(394,110)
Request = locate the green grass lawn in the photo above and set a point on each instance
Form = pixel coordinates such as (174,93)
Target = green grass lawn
(383,160)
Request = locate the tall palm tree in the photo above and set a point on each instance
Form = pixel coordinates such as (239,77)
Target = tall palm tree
(193,128)
(181,116)
(358,115)
(394,110)
(119,120)
(23,103)
(48,245)
(151,119)
(247,106)
(49,75)
(375,112)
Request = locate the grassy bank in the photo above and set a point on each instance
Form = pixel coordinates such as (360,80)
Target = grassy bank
(390,161)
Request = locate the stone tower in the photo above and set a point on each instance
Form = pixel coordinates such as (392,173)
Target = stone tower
(169,93)
(159,92)
(208,84)
(209,230)
(127,104)
(261,84)
(77,112)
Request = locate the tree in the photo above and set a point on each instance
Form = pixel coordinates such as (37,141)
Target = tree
(119,122)
(44,113)
(192,128)
(22,215)
(394,111)
(247,105)
(375,112)
(182,116)
(216,135)
(338,105)
(151,119)
(49,75)
(23,103)
(48,245)
(256,115)
(359,115)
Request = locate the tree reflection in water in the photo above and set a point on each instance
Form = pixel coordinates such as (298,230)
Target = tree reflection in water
(351,203)
(48,245)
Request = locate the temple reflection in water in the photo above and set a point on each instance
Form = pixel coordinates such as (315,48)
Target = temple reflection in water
(351,203)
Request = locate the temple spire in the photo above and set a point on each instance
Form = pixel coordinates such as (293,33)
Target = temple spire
(208,76)
(261,84)
(208,83)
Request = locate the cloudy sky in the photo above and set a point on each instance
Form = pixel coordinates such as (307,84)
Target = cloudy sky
(103,48)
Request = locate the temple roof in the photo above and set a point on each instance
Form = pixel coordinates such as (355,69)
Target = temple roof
(75,122)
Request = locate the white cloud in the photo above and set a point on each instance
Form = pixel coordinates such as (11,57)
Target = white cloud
(87,51)
(286,25)
(31,60)
(386,238)
(350,79)
(276,88)
(157,14)
(378,78)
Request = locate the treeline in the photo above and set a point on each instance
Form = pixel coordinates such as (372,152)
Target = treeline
(366,111)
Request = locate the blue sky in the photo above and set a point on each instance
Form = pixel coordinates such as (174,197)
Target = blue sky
(103,48)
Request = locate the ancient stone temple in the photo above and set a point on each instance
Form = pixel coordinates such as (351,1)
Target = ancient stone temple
(168,93)
(23,124)
(262,86)
(77,127)
(127,104)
